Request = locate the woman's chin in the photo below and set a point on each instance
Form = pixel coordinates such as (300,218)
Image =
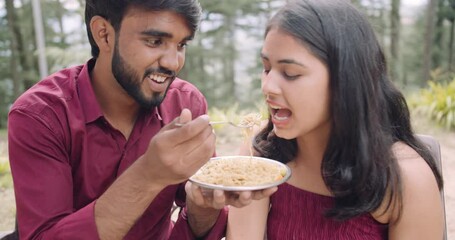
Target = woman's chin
(282,133)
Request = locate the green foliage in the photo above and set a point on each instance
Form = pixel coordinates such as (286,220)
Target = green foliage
(438,102)
(3,133)
(63,47)
(6,180)
(5,172)
(234,113)
(223,59)
(225,48)
(230,113)
(4,168)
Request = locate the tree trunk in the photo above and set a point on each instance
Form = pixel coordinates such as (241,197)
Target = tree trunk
(395,40)
(451,67)
(429,31)
(355,2)
(439,35)
(15,36)
(26,45)
(451,46)
(60,13)
(229,59)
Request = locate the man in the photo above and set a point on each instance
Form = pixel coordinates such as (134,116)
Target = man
(94,149)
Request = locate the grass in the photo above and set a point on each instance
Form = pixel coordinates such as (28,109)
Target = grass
(6,180)
(5,173)
(3,133)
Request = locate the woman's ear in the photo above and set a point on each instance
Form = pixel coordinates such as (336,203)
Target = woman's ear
(103,33)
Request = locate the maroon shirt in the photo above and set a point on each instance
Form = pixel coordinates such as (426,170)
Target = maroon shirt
(64,155)
(299,214)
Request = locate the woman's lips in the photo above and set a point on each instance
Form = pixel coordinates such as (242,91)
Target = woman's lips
(281,114)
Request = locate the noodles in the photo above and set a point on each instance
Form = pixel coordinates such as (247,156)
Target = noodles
(235,171)
(242,171)
(251,120)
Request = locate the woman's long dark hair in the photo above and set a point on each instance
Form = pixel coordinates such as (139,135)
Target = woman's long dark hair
(368,113)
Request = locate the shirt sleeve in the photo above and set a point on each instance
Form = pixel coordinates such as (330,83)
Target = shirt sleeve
(182,230)
(42,176)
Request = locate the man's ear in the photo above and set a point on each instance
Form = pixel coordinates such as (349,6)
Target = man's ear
(103,33)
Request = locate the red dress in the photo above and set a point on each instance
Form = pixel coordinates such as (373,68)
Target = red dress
(299,214)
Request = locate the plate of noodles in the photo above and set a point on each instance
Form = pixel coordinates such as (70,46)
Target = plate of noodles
(241,173)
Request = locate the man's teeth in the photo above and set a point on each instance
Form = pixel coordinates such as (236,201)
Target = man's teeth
(157,78)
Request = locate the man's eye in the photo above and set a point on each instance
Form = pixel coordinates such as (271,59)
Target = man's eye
(153,42)
(183,45)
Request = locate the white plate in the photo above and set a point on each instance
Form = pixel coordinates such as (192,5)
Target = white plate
(244,188)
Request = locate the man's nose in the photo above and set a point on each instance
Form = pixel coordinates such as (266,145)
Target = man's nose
(172,59)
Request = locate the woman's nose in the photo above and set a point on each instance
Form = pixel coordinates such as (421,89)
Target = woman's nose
(270,84)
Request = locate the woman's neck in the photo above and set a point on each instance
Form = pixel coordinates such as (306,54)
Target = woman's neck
(311,148)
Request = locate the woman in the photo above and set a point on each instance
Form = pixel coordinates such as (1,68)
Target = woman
(338,122)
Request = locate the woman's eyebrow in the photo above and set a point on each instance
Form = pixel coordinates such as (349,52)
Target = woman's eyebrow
(283,61)
(291,61)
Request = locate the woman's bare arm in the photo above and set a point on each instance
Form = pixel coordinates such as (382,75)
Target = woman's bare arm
(248,222)
(422,215)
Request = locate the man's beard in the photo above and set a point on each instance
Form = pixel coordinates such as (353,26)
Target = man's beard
(131,82)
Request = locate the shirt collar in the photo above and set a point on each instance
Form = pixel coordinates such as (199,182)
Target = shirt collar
(89,103)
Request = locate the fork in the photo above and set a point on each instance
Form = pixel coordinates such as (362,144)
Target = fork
(223,122)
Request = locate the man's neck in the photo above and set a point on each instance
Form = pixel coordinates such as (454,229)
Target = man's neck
(119,109)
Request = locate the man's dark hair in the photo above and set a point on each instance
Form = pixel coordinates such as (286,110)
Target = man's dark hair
(114,11)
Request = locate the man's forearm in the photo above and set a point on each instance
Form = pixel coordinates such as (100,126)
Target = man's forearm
(123,203)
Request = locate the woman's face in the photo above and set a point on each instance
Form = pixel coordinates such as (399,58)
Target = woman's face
(296,86)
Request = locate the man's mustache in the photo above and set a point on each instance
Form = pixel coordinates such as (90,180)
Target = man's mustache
(162,71)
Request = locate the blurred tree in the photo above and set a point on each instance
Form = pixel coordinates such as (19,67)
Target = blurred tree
(439,39)
(212,59)
(18,47)
(14,39)
(429,34)
(412,41)
(449,14)
(439,34)
(444,35)
(395,25)
(223,60)
(356,2)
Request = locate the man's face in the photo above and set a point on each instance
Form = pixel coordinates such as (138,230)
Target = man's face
(149,52)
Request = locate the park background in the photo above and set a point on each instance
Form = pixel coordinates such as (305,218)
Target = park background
(39,37)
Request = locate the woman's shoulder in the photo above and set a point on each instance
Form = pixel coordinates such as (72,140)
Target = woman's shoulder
(418,186)
(403,153)
(414,170)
